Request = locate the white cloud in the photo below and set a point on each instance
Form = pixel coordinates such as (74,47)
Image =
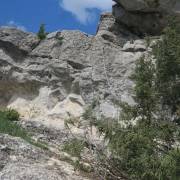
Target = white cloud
(16,25)
(83,9)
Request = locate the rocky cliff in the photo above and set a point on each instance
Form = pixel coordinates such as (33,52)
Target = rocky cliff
(54,79)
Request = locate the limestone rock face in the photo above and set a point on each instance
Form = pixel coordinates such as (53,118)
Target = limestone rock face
(51,81)
(57,77)
(145,17)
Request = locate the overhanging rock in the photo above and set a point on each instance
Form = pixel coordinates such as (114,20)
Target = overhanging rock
(145,17)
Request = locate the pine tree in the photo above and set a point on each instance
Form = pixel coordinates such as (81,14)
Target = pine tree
(144,88)
(167,53)
(41,33)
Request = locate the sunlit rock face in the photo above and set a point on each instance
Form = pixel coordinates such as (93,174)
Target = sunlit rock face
(145,17)
(51,82)
(56,78)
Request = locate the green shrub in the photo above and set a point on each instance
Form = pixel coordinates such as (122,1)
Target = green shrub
(74,147)
(8,126)
(42,33)
(170,165)
(11,114)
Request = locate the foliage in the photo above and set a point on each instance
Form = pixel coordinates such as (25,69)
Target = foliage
(8,126)
(140,152)
(145,150)
(41,33)
(89,111)
(170,165)
(11,114)
(74,147)
(167,53)
(144,89)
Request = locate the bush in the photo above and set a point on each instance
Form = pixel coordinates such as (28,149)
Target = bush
(42,33)
(8,126)
(74,147)
(11,114)
(170,165)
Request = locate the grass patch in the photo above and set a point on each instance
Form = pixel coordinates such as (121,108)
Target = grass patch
(74,147)
(11,114)
(8,126)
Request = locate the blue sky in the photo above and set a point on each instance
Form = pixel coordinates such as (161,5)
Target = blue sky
(56,14)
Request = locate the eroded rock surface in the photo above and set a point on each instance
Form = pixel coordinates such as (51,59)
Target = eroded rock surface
(21,161)
(54,79)
(145,17)
(51,81)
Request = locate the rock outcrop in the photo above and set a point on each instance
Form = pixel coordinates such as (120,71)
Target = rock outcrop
(53,80)
(145,17)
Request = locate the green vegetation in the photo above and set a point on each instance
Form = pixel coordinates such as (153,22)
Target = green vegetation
(10,114)
(42,32)
(148,150)
(167,53)
(9,126)
(74,147)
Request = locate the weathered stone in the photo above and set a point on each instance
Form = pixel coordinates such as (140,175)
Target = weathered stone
(50,82)
(87,66)
(145,17)
(147,5)
(137,45)
(140,23)
(20,160)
